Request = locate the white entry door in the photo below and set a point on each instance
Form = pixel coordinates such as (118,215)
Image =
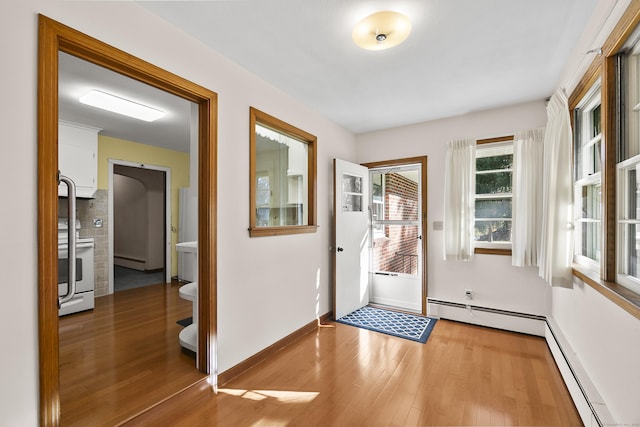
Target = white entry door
(396,229)
(351,237)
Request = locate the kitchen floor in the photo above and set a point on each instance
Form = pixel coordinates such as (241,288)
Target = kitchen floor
(127,278)
(123,356)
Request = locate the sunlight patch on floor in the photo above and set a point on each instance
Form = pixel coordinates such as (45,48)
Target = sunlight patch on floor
(282,396)
(270,423)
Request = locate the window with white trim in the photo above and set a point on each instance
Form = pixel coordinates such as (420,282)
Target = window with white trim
(629,223)
(628,169)
(493,198)
(618,194)
(587,180)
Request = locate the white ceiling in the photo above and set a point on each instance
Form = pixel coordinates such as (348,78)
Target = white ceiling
(461,56)
(77,77)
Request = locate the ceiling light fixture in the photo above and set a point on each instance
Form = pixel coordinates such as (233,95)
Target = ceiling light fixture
(381,30)
(116,104)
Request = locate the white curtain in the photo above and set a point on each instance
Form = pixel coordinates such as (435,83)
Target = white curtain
(556,249)
(527,197)
(459,200)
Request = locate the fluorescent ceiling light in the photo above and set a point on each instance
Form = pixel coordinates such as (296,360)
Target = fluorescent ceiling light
(115,104)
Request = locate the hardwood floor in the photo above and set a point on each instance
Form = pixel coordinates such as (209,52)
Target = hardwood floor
(123,356)
(344,376)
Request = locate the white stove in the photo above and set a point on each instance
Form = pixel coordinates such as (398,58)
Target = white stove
(84,297)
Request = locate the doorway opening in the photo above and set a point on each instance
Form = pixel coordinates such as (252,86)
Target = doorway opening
(53,39)
(139,233)
(380,242)
(396,234)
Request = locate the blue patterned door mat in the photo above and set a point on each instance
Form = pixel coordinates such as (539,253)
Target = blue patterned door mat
(403,325)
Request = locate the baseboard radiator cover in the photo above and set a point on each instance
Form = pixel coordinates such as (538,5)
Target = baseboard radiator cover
(486,316)
(588,401)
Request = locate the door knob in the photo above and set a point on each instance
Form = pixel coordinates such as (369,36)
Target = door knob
(339,249)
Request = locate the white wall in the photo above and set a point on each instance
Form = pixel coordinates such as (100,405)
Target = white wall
(276,280)
(268,287)
(606,340)
(495,283)
(604,337)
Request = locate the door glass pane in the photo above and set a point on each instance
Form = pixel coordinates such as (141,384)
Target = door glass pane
(395,196)
(352,203)
(351,193)
(396,249)
(351,183)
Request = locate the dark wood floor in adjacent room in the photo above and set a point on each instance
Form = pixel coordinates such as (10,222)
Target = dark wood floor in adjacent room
(123,356)
(345,376)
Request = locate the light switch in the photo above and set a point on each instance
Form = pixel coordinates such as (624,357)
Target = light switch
(438,225)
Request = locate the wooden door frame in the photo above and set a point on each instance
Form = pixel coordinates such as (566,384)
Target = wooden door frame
(54,37)
(422,160)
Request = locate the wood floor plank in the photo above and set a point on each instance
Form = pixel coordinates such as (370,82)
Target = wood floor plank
(342,375)
(124,356)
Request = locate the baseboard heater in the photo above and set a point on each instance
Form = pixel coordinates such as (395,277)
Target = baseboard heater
(485,309)
(588,401)
(586,398)
(487,316)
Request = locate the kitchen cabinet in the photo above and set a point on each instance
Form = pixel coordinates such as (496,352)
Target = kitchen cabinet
(78,158)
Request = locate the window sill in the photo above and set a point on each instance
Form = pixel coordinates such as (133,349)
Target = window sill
(492,251)
(281,231)
(618,294)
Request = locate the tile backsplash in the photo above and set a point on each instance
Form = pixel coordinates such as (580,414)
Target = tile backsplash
(89,210)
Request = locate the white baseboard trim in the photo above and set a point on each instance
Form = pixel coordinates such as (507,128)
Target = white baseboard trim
(486,316)
(590,405)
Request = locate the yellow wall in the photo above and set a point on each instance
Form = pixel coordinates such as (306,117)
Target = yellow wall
(178,162)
